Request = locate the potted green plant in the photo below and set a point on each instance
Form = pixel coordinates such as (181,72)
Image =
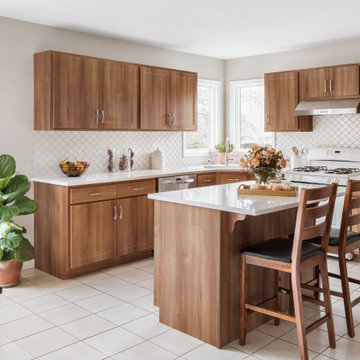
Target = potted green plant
(221,149)
(14,247)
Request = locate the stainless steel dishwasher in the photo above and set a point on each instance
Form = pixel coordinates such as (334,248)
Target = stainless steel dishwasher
(177,182)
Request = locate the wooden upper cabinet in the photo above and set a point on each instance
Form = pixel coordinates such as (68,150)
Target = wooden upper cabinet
(183,100)
(334,82)
(281,99)
(168,99)
(92,233)
(154,98)
(120,99)
(75,92)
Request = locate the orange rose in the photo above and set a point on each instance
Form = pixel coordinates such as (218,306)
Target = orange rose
(255,162)
(243,165)
(283,163)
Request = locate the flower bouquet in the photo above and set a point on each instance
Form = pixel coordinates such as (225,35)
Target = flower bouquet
(264,162)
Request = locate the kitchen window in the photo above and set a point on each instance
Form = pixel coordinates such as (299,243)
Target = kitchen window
(208,120)
(246,127)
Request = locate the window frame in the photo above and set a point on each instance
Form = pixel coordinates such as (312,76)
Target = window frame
(215,119)
(234,127)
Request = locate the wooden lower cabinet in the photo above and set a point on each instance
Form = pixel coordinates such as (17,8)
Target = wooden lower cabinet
(92,233)
(233,177)
(135,225)
(206,179)
(79,230)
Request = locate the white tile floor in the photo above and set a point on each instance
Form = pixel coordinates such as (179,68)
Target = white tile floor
(110,315)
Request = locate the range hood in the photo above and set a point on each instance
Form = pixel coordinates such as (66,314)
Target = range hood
(328,107)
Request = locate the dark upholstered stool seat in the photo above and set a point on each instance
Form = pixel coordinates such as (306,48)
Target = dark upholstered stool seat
(279,249)
(334,237)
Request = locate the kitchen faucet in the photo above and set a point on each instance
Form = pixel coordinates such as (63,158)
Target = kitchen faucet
(227,150)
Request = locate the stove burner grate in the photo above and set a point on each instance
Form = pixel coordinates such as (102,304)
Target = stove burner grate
(311,168)
(341,171)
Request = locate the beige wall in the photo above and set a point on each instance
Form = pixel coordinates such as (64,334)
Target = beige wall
(20,40)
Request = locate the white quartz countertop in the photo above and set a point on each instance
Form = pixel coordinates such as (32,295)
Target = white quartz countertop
(91,179)
(226,198)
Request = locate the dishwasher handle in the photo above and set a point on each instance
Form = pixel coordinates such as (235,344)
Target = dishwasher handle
(187,181)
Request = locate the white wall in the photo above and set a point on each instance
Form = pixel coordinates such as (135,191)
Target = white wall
(20,40)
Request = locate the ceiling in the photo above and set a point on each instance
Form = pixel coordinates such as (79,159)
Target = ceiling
(218,28)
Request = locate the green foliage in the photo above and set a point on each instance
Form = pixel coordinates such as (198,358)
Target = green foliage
(13,202)
(221,147)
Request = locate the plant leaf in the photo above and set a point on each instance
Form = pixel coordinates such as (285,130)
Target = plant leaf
(8,212)
(25,251)
(25,205)
(17,228)
(1,253)
(7,166)
(5,181)
(7,255)
(17,187)
(12,241)
(5,229)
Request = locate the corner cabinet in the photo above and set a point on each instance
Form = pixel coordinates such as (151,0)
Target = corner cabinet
(76,92)
(281,99)
(335,82)
(168,99)
(82,229)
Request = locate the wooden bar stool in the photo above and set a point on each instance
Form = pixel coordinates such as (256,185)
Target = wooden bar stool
(342,242)
(294,257)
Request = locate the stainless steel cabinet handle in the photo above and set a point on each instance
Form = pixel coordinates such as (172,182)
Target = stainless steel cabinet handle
(325,85)
(267,119)
(97,116)
(103,116)
(173,115)
(169,119)
(115,212)
(331,87)
(179,182)
(95,194)
(208,180)
(120,209)
(138,188)
(233,179)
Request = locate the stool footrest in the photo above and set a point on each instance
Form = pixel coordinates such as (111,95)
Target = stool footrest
(355,302)
(317,323)
(276,314)
(336,293)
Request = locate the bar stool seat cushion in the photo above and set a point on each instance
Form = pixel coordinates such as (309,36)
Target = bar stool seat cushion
(280,249)
(334,237)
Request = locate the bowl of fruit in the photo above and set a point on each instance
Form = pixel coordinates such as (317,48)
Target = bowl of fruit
(73,168)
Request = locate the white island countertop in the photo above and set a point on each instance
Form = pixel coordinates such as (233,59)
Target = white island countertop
(97,178)
(226,198)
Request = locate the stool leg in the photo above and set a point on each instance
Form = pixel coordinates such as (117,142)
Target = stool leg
(317,277)
(291,298)
(299,315)
(327,300)
(276,294)
(346,295)
(243,291)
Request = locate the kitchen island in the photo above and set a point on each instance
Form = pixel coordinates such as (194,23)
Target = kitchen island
(198,235)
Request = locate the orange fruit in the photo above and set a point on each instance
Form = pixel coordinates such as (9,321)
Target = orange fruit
(65,168)
(80,167)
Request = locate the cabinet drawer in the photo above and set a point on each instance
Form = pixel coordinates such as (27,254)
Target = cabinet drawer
(136,188)
(233,177)
(92,193)
(206,179)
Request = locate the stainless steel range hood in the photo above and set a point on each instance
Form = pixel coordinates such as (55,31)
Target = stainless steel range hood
(328,107)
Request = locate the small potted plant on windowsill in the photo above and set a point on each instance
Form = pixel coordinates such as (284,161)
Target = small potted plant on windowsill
(221,149)
(14,247)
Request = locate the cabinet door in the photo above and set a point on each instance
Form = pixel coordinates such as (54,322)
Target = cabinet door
(92,233)
(344,81)
(120,97)
(281,99)
(183,101)
(135,225)
(314,84)
(154,98)
(75,92)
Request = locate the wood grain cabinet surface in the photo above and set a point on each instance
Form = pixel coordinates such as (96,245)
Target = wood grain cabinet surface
(76,92)
(206,179)
(230,177)
(281,99)
(335,82)
(82,229)
(168,99)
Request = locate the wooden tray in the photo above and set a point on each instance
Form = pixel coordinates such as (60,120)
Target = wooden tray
(265,192)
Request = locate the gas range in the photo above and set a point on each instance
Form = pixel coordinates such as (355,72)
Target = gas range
(327,165)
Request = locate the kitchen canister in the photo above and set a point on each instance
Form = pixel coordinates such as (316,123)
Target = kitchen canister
(295,161)
(157,159)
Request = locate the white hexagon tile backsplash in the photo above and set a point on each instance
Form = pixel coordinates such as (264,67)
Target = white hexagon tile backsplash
(52,146)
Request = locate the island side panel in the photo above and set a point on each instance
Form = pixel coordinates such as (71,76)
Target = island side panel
(187,269)
(237,233)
